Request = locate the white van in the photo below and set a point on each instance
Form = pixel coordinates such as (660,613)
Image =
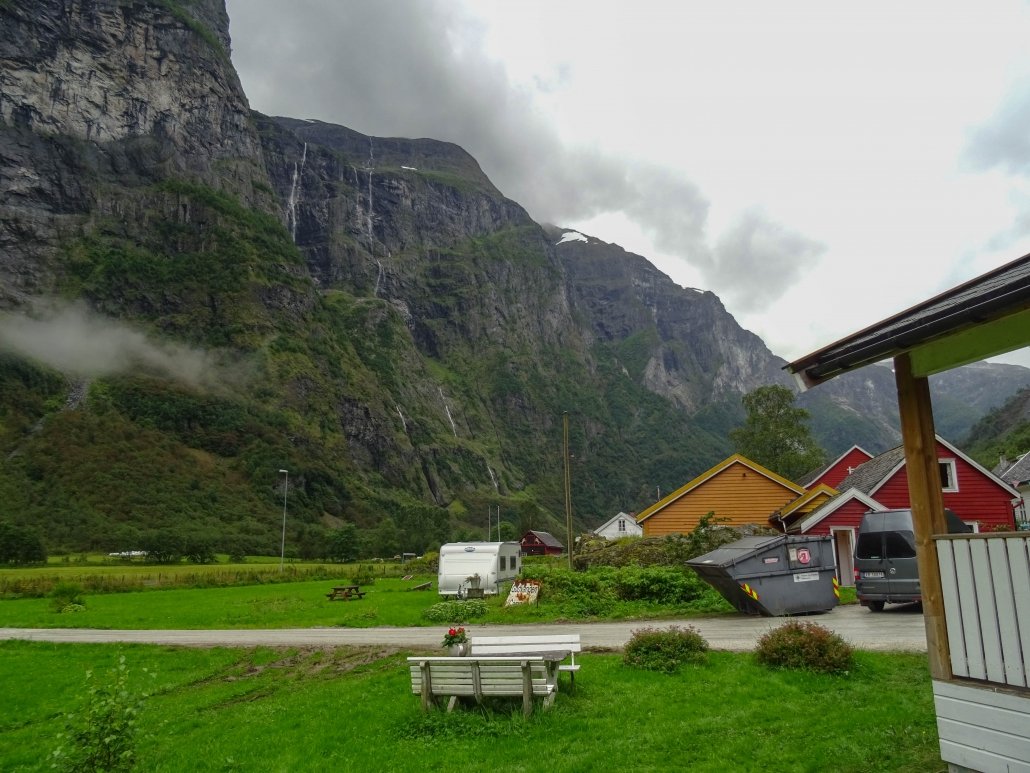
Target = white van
(493,562)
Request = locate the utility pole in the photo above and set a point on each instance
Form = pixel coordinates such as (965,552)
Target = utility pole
(568,485)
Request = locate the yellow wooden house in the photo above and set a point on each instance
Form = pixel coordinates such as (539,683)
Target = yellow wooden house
(737,490)
(806,504)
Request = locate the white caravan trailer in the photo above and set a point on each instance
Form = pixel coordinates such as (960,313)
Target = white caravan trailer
(494,562)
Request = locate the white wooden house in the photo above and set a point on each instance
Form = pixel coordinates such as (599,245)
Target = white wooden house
(976,587)
(621,525)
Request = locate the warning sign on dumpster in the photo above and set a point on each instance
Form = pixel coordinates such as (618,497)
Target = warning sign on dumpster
(523,592)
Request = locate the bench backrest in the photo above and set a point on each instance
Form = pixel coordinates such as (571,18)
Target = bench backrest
(498,645)
(478,676)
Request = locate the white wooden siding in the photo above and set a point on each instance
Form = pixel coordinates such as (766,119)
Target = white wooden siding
(982,728)
(985,581)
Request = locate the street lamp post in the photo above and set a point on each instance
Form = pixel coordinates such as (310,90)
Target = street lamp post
(282,548)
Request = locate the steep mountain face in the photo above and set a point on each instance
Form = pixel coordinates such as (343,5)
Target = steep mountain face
(680,343)
(1004,433)
(370,314)
(99,97)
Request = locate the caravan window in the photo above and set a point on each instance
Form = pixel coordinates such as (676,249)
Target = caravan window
(503,559)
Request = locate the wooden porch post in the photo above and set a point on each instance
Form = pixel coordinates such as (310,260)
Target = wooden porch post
(924,489)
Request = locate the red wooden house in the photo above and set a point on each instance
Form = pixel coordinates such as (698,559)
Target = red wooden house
(973,493)
(540,543)
(837,470)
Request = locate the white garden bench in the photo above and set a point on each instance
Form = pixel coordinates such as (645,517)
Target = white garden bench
(480,677)
(528,644)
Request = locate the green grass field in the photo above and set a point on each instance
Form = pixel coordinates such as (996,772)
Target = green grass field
(299,604)
(352,709)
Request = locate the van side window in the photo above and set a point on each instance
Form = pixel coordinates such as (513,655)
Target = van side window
(869,546)
(503,559)
(899,544)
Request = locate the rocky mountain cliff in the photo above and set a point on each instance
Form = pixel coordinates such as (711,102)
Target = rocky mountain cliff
(370,314)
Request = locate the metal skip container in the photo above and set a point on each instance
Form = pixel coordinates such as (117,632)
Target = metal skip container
(773,576)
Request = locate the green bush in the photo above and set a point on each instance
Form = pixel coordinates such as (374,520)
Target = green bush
(429,563)
(67,597)
(661,584)
(364,575)
(599,587)
(805,646)
(657,649)
(455,611)
(103,737)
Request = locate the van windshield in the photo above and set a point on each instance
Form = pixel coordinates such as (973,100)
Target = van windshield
(900,544)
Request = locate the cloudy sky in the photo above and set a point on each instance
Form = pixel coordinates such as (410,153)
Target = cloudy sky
(819,166)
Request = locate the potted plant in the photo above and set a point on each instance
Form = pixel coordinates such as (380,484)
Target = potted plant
(456,641)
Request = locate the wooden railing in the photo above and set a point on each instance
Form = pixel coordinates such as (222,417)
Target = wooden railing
(985,579)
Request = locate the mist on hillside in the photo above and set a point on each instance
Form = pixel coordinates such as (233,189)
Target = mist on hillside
(81,343)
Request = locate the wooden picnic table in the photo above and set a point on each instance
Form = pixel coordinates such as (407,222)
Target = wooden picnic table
(345,593)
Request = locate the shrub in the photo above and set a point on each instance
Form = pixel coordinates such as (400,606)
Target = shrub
(661,584)
(104,736)
(364,575)
(67,597)
(805,646)
(657,649)
(455,611)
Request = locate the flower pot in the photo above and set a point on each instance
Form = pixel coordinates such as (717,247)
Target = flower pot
(457,650)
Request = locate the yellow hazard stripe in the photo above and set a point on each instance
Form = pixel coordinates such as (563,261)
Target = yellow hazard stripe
(749,591)
(836,587)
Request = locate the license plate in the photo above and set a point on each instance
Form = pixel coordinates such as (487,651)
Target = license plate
(873,575)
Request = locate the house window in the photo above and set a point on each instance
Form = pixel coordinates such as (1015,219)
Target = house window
(622,524)
(949,475)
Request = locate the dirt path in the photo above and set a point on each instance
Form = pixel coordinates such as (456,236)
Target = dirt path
(897,628)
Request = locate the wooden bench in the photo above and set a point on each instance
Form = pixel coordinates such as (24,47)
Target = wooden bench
(507,645)
(478,678)
(423,586)
(345,593)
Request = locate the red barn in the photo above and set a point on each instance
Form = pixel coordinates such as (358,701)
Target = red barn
(837,470)
(540,543)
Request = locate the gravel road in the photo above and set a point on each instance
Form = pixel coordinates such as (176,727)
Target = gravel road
(897,628)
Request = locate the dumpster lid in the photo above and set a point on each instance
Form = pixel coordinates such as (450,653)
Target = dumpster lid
(730,554)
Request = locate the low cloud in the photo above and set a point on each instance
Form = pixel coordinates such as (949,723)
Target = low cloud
(1003,142)
(83,344)
(757,260)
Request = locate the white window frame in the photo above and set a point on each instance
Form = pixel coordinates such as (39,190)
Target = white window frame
(952,474)
(622,524)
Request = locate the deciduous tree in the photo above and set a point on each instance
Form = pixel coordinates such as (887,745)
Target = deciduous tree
(776,434)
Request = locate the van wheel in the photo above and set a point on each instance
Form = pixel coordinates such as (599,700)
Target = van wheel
(875,606)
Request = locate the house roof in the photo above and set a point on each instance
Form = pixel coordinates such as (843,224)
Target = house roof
(985,316)
(613,519)
(870,476)
(546,538)
(1018,472)
(835,504)
(811,477)
(661,504)
(785,513)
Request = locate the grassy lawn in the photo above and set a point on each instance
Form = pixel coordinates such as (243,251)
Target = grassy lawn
(299,604)
(352,709)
